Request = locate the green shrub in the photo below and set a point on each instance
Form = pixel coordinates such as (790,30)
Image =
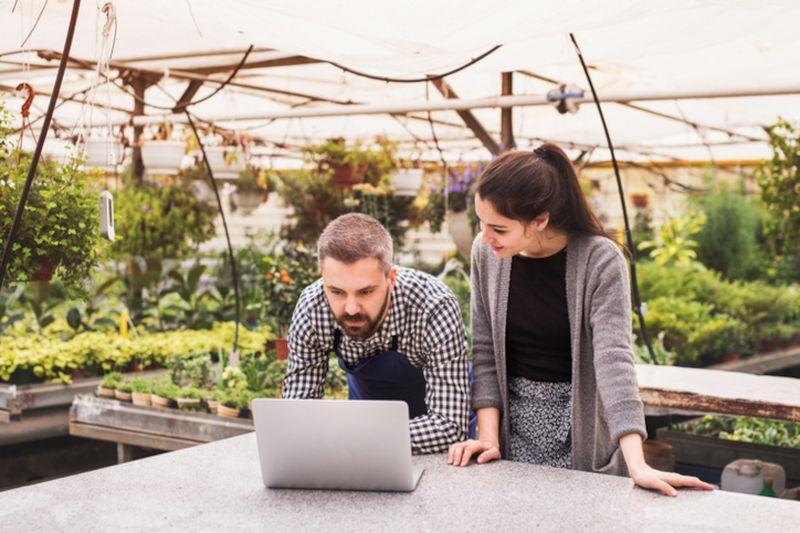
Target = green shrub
(52,359)
(124,386)
(746,429)
(690,330)
(728,242)
(163,219)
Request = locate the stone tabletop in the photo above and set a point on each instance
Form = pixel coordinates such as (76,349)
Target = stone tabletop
(218,487)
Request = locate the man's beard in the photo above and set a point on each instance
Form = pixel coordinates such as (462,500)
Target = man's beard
(368,327)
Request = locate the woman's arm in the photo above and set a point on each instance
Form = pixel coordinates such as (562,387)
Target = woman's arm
(487,445)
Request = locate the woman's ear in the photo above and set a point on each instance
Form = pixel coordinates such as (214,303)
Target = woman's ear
(540,222)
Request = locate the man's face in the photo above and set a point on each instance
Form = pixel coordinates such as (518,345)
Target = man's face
(358,294)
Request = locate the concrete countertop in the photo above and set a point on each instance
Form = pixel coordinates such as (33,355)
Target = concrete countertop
(218,487)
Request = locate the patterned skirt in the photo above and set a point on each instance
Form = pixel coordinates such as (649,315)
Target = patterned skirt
(540,420)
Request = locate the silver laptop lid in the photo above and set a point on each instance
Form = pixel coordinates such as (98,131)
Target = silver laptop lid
(334,444)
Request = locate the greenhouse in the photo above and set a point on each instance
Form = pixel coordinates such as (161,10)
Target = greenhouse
(555,247)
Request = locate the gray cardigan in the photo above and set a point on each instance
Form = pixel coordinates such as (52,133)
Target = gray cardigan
(605,394)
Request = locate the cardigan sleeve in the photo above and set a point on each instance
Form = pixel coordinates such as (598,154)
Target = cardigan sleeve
(485,387)
(610,322)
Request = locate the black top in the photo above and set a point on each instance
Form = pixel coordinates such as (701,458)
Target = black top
(537,323)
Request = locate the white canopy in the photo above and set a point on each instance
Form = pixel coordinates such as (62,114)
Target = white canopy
(679,48)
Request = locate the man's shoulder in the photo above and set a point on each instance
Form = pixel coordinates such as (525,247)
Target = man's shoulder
(422,290)
(312,298)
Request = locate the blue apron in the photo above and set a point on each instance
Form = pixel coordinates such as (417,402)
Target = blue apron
(388,375)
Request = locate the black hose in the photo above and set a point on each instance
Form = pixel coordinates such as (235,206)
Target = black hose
(225,225)
(637,302)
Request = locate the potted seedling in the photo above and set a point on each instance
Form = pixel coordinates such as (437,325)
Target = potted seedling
(124,391)
(163,392)
(233,401)
(140,391)
(107,387)
(211,398)
(189,399)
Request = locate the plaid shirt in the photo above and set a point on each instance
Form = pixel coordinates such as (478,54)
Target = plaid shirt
(426,318)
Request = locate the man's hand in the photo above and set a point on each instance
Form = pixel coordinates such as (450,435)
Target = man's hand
(461,452)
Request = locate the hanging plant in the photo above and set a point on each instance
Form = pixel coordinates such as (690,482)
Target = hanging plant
(59,231)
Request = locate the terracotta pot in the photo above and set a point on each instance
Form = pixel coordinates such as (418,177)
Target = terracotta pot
(188,404)
(730,357)
(159,401)
(281,349)
(639,200)
(345,176)
(45,272)
(141,398)
(123,396)
(230,412)
(105,392)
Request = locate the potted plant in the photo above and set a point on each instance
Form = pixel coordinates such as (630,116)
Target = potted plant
(457,198)
(163,153)
(107,387)
(283,278)
(228,159)
(252,188)
(123,391)
(59,234)
(211,398)
(640,200)
(163,392)
(346,166)
(233,401)
(140,391)
(189,399)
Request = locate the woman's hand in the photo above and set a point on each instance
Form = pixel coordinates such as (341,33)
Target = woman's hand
(649,478)
(461,452)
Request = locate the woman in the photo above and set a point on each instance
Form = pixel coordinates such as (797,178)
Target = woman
(554,378)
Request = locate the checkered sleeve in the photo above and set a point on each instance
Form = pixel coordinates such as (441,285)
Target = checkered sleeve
(308,360)
(447,394)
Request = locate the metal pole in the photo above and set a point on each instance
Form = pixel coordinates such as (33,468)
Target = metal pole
(461,104)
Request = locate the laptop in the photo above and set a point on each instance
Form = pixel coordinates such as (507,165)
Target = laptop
(335,444)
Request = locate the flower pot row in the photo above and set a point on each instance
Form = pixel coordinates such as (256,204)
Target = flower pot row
(164,157)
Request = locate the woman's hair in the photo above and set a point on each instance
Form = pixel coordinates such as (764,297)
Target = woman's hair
(522,185)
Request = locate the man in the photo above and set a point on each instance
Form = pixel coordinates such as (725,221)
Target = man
(397,333)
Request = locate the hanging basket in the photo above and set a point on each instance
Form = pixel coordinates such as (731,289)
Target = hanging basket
(225,162)
(247,201)
(461,231)
(104,153)
(345,176)
(407,181)
(163,157)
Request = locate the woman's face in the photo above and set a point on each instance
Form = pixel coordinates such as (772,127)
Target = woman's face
(507,236)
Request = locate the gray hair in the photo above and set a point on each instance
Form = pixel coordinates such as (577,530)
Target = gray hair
(355,236)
